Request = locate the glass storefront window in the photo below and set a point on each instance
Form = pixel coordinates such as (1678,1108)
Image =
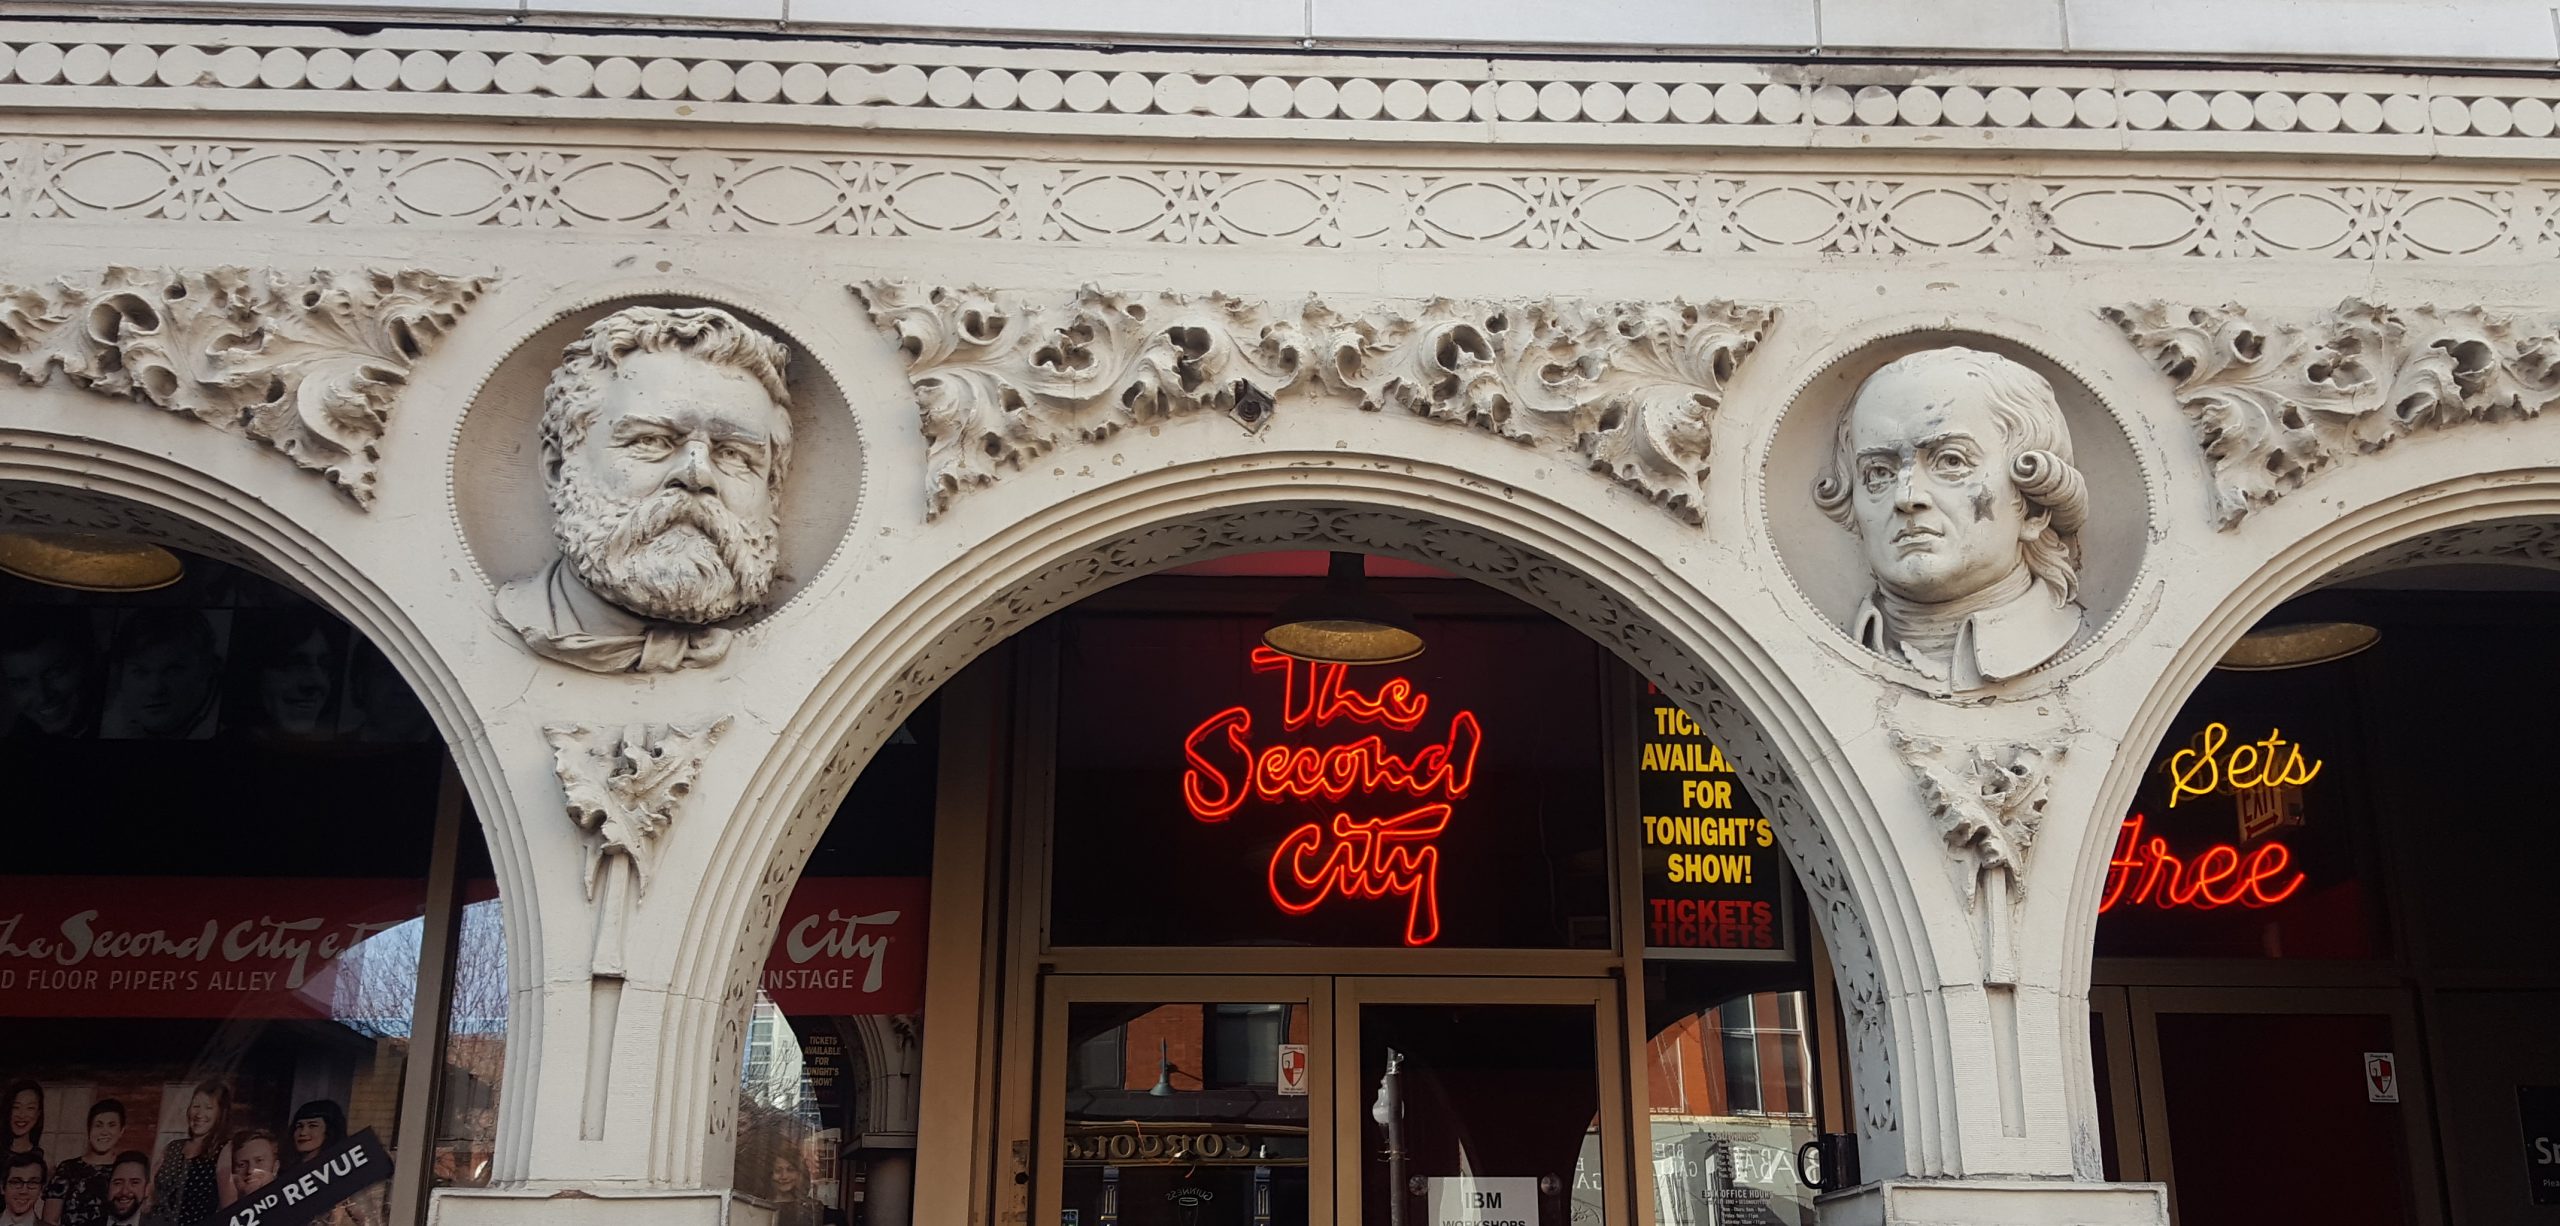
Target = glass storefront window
(1729,1077)
(2248,838)
(1174,1113)
(206,985)
(475,1042)
(830,1088)
(1239,798)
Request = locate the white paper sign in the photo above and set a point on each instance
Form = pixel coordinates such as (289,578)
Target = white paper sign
(1293,1070)
(1480,1201)
(2381,1077)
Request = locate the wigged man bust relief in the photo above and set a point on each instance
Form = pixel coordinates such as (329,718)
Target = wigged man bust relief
(1953,469)
(665,437)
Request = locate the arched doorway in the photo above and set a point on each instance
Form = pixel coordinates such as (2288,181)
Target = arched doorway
(251,939)
(2322,933)
(1690,1026)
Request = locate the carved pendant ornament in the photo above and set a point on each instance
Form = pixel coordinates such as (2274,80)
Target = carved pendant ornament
(666,435)
(1953,469)
(624,784)
(308,364)
(1004,378)
(1988,802)
(2276,404)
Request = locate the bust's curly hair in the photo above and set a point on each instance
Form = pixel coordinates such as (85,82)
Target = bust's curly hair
(574,398)
(2022,401)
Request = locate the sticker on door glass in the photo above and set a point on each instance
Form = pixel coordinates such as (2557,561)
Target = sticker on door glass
(1475,1200)
(1292,1076)
(2381,1077)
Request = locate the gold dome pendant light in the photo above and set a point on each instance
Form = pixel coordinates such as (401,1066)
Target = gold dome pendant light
(2269,649)
(1344,622)
(88,562)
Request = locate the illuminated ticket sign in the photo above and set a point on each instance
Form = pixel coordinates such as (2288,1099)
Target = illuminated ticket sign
(1714,876)
(1383,840)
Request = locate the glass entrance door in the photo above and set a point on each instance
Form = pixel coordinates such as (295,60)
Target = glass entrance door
(1480,1103)
(1310,1101)
(1185,1101)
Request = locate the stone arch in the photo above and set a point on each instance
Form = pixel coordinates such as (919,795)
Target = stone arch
(2507,517)
(1556,557)
(50,481)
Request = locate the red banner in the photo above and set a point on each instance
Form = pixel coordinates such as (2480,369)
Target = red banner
(207,947)
(217,947)
(850,946)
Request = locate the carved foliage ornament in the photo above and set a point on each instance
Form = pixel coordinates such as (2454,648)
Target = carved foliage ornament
(2276,404)
(624,784)
(1004,378)
(1988,802)
(308,364)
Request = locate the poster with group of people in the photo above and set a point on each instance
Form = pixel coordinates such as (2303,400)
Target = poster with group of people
(152,1154)
(246,660)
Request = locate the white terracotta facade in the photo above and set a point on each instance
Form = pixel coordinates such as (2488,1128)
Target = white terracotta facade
(1666,278)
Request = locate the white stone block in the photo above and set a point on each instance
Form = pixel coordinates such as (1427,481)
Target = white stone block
(1251,19)
(695,10)
(1634,23)
(1977,25)
(289,8)
(494,1207)
(2500,31)
(1997,1202)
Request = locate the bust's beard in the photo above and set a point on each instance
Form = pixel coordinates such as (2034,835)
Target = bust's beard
(673,556)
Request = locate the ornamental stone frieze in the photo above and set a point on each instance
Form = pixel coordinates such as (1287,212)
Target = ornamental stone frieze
(2276,403)
(1988,802)
(1627,388)
(309,364)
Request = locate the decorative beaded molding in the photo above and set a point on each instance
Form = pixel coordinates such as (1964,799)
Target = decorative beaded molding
(2276,404)
(917,87)
(307,364)
(1003,378)
(438,185)
(60,508)
(2506,542)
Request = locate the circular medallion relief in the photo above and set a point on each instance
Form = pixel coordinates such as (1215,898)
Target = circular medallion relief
(646,474)
(1963,506)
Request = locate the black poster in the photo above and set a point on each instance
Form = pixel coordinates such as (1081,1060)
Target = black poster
(308,1193)
(1714,876)
(2540,1107)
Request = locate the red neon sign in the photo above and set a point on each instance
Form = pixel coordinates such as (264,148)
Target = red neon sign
(2143,871)
(1347,857)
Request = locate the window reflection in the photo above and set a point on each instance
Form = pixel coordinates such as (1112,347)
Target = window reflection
(1729,1081)
(1175,1114)
(207,987)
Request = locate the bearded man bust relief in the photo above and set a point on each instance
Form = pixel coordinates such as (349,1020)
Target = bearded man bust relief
(1953,469)
(665,437)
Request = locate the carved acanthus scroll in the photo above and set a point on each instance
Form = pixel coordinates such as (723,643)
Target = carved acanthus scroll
(308,364)
(2277,404)
(1988,802)
(1629,388)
